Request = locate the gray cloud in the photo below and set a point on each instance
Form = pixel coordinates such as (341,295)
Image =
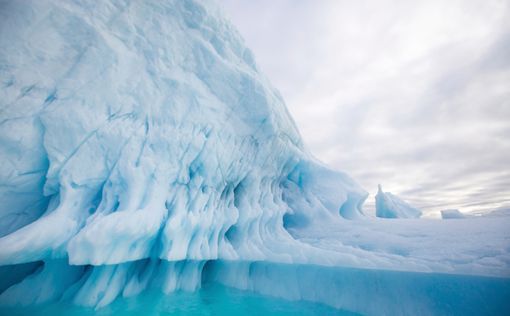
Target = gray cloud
(413,95)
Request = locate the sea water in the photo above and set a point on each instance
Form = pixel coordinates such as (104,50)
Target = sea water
(212,299)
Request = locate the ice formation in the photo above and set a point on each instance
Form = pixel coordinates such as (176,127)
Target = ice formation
(142,148)
(135,130)
(452,213)
(388,205)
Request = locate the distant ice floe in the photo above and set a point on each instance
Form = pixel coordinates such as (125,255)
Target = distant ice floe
(451,214)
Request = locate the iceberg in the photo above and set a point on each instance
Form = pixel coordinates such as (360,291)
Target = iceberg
(388,205)
(143,149)
(140,137)
(451,214)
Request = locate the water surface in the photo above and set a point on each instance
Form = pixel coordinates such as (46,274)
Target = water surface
(212,299)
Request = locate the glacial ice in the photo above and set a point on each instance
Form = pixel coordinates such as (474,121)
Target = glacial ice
(388,205)
(451,213)
(142,148)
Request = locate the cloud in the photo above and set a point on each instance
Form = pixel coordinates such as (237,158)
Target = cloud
(413,95)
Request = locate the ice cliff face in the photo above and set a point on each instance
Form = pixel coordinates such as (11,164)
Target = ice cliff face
(144,131)
(388,205)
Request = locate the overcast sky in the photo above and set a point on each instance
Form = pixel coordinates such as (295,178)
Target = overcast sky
(414,95)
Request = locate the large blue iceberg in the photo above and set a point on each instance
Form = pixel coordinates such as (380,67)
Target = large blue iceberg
(142,148)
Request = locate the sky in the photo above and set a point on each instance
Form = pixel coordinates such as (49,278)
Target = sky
(414,95)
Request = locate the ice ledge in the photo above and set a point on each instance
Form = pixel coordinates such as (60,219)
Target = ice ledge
(388,292)
(369,292)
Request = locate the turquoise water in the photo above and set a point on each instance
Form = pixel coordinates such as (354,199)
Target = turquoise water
(210,300)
